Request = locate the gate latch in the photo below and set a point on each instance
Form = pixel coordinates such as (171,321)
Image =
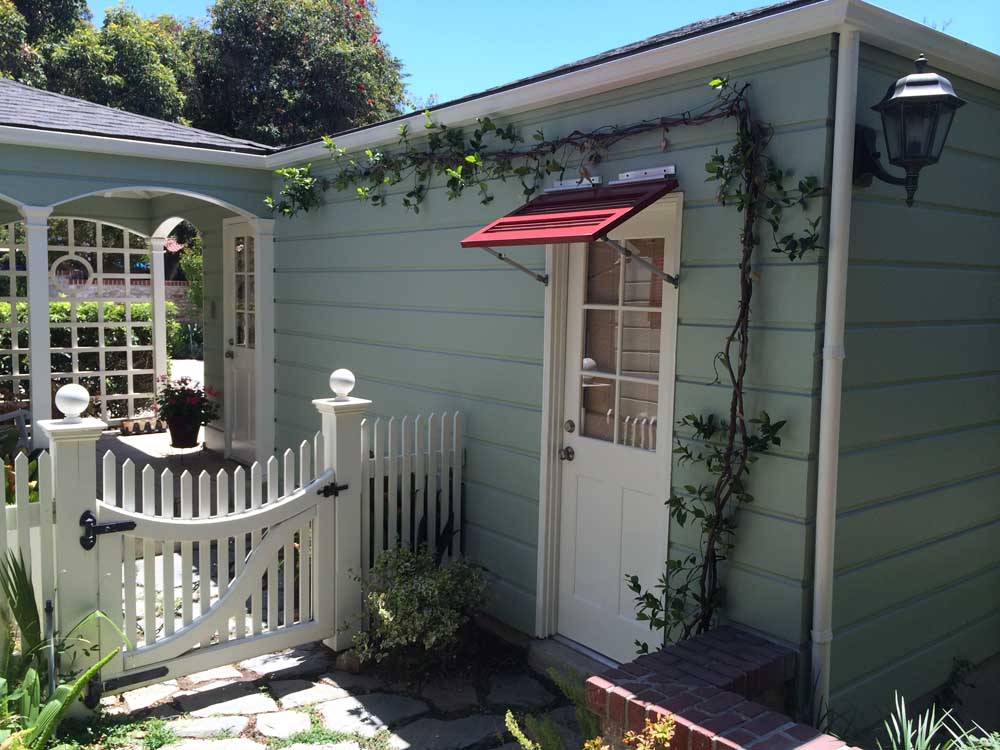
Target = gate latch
(332,490)
(91,528)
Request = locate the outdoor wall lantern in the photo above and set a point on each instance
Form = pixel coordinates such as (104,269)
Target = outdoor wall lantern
(917,112)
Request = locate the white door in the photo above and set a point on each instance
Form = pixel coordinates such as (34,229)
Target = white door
(618,411)
(240,323)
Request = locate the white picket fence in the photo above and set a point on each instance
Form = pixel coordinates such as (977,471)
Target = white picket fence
(165,580)
(412,484)
(200,571)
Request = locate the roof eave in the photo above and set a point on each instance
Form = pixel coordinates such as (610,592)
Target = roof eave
(96,144)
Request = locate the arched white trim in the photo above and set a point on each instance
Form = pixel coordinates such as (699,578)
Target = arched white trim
(110,193)
(166,226)
(15,203)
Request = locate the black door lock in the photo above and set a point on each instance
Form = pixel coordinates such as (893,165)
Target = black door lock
(91,528)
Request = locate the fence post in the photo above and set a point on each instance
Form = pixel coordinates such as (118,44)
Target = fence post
(73,447)
(339,535)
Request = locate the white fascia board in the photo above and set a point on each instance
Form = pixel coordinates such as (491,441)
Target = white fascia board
(95,144)
(893,33)
(745,38)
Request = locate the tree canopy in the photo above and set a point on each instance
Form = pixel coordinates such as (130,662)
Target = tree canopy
(275,71)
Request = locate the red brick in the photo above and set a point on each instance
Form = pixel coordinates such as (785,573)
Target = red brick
(720,703)
(724,743)
(823,742)
(741,736)
(775,741)
(597,695)
(635,718)
(707,676)
(638,668)
(701,738)
(707,692)
(766,722)
(682,734)
(750,709)
(617,698)
(678,703)
(723,722)
(802,732)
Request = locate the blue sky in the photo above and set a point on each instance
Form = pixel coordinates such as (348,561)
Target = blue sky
(450,48)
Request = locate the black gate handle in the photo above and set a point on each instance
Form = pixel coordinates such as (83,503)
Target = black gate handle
(91,528)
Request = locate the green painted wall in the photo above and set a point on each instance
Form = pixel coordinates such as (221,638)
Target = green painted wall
(428,326)
(918,531)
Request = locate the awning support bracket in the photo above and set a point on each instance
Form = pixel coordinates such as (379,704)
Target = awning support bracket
(542,277)
(630,254)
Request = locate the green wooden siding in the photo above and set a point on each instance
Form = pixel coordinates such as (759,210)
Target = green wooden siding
(918,531)
(428,326)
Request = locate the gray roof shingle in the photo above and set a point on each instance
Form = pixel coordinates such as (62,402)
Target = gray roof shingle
(27,107)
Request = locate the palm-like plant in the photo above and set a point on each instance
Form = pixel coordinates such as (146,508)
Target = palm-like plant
(921,733)
(29,712)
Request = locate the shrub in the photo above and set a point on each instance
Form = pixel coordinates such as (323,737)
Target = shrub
(416,606)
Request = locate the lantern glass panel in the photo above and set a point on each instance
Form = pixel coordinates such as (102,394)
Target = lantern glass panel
(945,116)
(892,126)
(918,123)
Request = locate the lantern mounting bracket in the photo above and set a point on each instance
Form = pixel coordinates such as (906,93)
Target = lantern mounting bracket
(867,163)
(630,254)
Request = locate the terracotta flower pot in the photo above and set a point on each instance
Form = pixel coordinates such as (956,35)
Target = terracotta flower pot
(183,432)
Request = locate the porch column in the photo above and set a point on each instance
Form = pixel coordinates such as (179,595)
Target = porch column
(264,346)
(36,219)
(157,247)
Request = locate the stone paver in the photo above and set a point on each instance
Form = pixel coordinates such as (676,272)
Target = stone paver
(456,734)
(298,693)
(294,663)
(569,728)
(236,743)
(282,724)
(346,745)
(228,672)
(233,699)
(210,726)
(518,690)
(352,682)
(367,714)
(144,697)
(451,695)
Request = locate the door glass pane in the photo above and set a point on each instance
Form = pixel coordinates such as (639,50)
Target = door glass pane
(641,344)
(602,274)
(600,343)
(240,293)
(240,254)
(641,286)
(251,331)
(251,260)
(597,408)
(638,409)
(240,330)
(250,293)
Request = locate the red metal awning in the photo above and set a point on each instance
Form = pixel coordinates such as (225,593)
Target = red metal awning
(578,215)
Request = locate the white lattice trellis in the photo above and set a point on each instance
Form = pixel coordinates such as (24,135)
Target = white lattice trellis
(14,380)
(101,323)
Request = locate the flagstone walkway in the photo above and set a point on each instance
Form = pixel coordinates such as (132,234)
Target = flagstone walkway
(298,700)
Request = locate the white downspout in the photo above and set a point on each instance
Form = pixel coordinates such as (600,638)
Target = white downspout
(833,362)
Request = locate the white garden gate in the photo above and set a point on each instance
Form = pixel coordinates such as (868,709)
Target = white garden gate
(214,576)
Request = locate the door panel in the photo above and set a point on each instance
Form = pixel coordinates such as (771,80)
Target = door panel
(618,396)
(240,321)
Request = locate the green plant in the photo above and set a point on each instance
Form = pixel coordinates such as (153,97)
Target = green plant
(29,713)
(181,399)
(656,735)
(538,734)
(571,685)
(300,190)
(192,263)
(973,739)
(416,606)
(157,733)
(920,733)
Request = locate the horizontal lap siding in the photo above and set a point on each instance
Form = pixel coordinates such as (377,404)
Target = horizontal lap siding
(428,326)
(918,532)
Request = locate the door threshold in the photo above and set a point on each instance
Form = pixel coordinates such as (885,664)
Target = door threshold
(586,651)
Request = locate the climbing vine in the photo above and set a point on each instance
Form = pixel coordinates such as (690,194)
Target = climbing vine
(689,594)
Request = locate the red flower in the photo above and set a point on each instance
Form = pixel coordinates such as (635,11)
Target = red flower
(211,392)
(193,400)
(357,15)
(374,39)
(361,87)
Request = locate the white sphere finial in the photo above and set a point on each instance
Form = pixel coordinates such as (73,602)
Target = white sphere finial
(72,400)
(341,383)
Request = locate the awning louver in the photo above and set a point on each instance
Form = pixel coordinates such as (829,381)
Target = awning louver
(565,216)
